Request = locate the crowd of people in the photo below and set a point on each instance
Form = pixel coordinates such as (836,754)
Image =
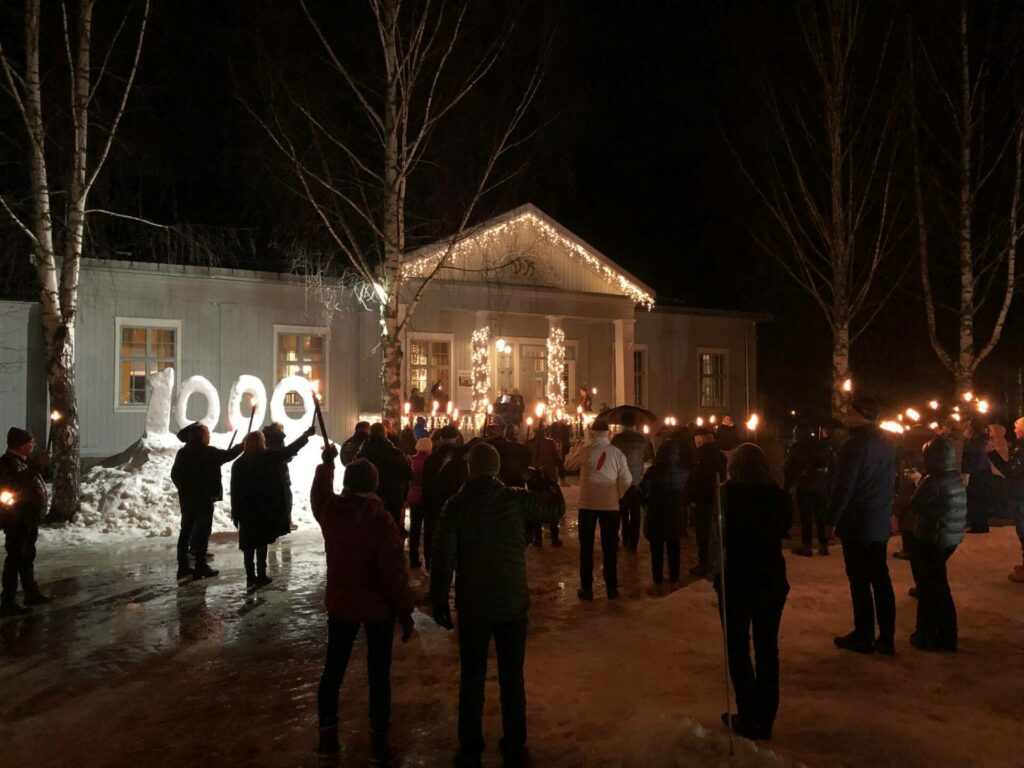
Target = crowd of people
(476,505)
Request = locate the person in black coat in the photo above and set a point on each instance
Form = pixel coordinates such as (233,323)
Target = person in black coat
(981,483)
(808,464)
(281,491)
(394,470)
(253,480)
(752,587)
(20,517)
(515,458)
(662,493)
(350,448)
(196,475)
(939,511)
(710,467)
(860,509)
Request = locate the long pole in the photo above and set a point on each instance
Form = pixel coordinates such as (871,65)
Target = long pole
(320,419)
(720,514)
(252,415)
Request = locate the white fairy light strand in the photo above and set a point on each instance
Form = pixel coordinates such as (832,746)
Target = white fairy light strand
(481,340)
(425,265)
(556,369)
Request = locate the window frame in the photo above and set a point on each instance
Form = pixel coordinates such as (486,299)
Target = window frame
(413,336)
(726,372)
(148,323)
(306,330)
(642,348)
(517,361)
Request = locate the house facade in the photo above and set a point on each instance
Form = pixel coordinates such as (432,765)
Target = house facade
(520,304)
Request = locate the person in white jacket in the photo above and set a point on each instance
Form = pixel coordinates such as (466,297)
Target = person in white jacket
(604,479)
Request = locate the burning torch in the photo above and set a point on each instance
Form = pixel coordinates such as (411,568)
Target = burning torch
(55,417)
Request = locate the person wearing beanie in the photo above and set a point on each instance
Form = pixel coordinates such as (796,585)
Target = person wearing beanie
(417,505)
(604,480)
(860,508)
(481,539)
(196,475)
(20,476)
(367,586)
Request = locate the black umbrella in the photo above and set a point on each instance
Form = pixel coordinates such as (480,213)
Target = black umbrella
(614,415)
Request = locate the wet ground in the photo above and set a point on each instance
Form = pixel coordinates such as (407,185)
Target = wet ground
(127,668)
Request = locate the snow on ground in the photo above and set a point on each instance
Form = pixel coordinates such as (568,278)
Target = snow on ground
(137,497)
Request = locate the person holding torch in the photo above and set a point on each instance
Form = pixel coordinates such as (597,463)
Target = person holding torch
(22,506)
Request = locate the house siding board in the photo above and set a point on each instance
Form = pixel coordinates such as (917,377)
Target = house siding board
(22,369)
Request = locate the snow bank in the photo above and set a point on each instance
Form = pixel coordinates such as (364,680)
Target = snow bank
(133,494)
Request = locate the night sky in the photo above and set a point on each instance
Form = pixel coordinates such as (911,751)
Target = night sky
(639,101)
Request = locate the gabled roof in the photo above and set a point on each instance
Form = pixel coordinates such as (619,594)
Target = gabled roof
(423,261)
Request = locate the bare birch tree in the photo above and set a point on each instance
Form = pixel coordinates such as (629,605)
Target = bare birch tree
(53,219)
(987,263)
(360,192)
(829,165)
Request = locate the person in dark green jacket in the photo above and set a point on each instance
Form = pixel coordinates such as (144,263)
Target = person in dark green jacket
(481,537)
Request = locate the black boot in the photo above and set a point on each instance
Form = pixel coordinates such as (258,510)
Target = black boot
(381,752)
(204,572)
(34,597)
(10,608)
(328,750)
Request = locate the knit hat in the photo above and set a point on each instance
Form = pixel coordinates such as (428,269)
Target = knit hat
(16,438)
(600,425)
(866,407)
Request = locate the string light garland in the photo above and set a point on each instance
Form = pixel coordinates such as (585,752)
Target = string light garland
(556,368)
(426,264)
(481,340)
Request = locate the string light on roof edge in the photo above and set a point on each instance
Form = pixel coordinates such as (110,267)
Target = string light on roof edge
(480,341)
(426,264)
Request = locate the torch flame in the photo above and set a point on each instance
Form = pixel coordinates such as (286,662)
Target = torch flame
(712,419)
(848,385)
(455,415)
(892,426)
(933,404)
(647,430)
(912,414)
(700,421)
(407,407)
(983,406)
(529,421)
(490,409)
(56,416)
(594,391)
(7,498)
(435,407)
(968,396)
(579,409)
(934,425)
(539,410)
(956,417)
(448,408)
(752,422)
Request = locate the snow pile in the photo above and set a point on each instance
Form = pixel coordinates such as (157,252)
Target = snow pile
(133,494)
(666,742)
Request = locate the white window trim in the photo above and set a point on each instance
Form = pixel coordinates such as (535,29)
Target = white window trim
(646,376)
(309,330)
(412,336)
(724,351)
(142,322)
(516,359)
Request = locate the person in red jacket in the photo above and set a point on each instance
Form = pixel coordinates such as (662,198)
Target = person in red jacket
(367,585)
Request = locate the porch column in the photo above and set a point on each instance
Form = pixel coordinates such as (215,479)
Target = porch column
(555,363)
(625,385)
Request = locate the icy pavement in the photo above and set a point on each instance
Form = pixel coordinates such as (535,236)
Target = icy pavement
(128,669)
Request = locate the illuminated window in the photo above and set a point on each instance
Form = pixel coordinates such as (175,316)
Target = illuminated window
(714,372)
(429,363)
(302,352)
(143,347)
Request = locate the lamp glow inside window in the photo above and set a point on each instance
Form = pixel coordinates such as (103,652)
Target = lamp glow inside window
(302,354)
(141,351)
(713,372)
(429,361)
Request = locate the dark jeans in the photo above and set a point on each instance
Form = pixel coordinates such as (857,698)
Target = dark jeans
(936,613)
(702,515)
(629,508)
(510,648)
(588,520)
(813,508)
(340,637)
(870,589)
(756,684)
(255,559)
(419,526)
(21,557)
(658,549)
(535,533)
(196,524)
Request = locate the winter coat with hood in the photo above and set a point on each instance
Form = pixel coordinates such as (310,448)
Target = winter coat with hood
(416,482)
(710,465)
(663,490)
(366,577)
(604,473)
(939,506)
(481,538)
(280,491)
(756,518)
(637,448)
(861,502)
(21,477)
(350,448)
(544,455)
(393,469)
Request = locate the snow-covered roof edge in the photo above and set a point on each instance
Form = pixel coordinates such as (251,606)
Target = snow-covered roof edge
(418,261)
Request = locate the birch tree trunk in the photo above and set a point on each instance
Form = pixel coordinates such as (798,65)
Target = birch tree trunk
(840,367)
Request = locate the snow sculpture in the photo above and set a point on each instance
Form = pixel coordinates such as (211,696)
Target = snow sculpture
(301,386)
(158,411)
(252,385)
(198,385)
